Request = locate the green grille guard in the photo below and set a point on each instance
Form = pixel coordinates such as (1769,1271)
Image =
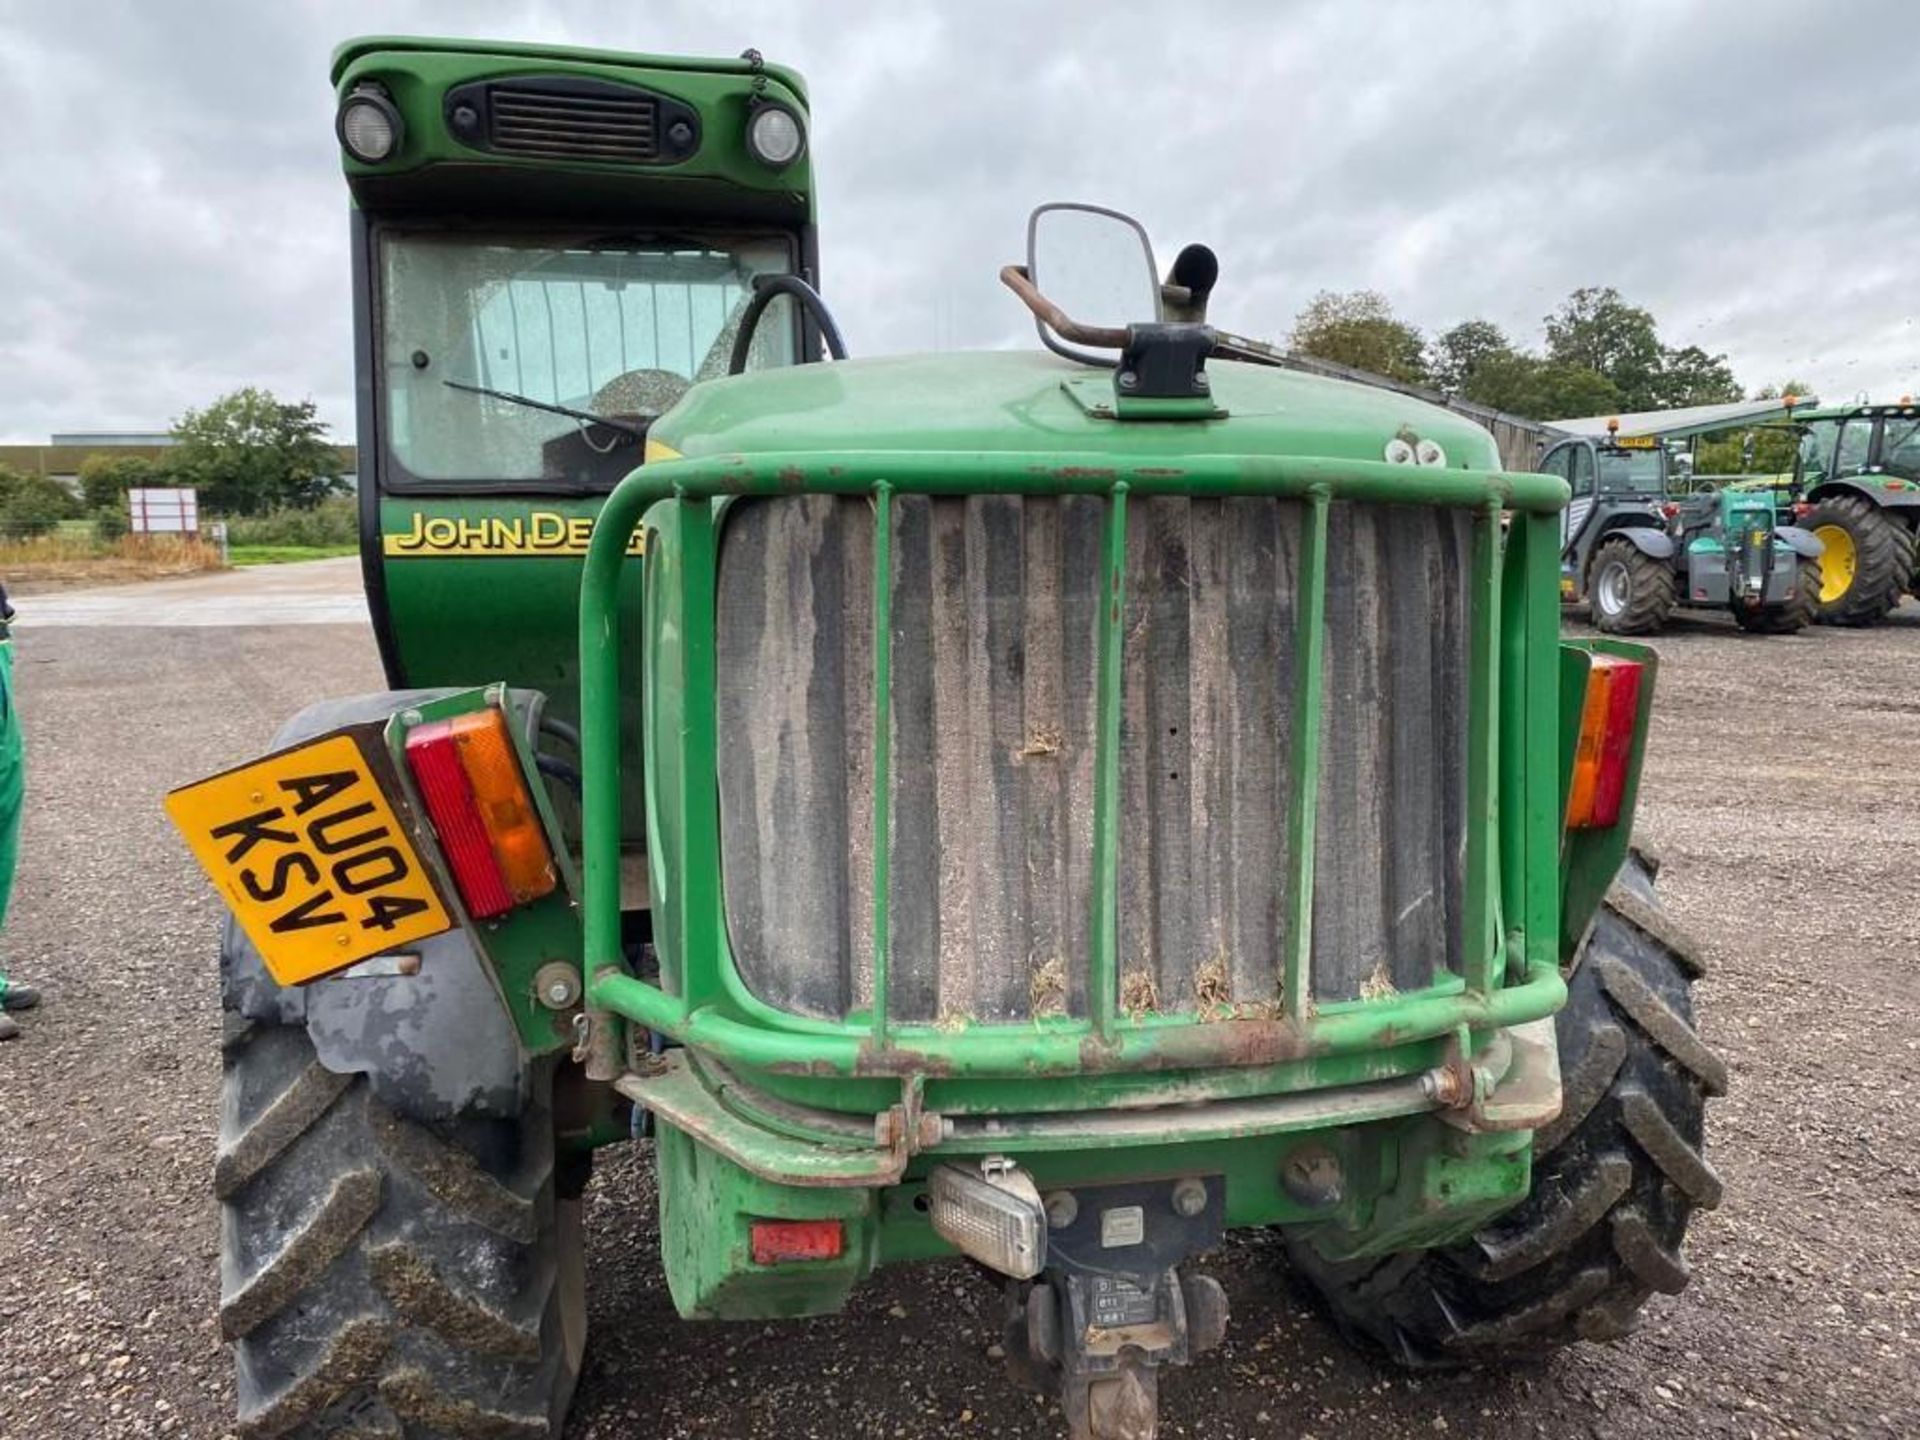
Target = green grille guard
(1511,975)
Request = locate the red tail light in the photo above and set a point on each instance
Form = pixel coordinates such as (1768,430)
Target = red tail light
(777,1241)
(486,822)
(1605,749)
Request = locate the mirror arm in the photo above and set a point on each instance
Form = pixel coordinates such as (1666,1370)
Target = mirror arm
(1015,278)
(1253,352)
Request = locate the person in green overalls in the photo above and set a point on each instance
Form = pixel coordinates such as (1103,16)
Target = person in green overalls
(13,789)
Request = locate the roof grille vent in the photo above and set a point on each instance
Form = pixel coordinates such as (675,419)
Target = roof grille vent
(565,117)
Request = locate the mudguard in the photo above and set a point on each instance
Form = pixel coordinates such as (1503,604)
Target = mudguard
(1885,491)
(1656,543)
(434,1044)
(1802,542)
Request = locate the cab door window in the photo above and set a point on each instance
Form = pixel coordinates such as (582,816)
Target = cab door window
(1815,447)
(1582,477)
(1856,443)
(1900,446)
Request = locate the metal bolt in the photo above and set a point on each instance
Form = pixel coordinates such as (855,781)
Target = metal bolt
(1062,1209)
(1449,1086)
(409,717)
(558,985)
(1189,1197)
(1128,380)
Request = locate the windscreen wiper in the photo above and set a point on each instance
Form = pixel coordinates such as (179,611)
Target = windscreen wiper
(638,432)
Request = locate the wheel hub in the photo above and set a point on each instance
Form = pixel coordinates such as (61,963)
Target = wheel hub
(1612,590)
(1839,561)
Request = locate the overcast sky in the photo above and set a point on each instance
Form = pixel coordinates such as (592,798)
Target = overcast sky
(172,218)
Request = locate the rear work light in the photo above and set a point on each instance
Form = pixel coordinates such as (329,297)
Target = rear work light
(992,1215)
(1605,750)
(477,799)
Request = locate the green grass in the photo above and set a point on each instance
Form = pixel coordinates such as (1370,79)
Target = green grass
(285,554)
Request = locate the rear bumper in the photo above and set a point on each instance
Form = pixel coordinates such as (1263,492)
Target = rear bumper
(1707,582)
(1369,1169)
(1511,1083)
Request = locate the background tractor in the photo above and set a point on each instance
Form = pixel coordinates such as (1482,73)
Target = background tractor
(1856,486)
(1634,546)
(970,805)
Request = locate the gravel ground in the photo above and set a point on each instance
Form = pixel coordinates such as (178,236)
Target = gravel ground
(1778,790)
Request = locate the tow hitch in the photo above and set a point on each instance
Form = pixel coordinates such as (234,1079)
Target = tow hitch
(1109,1305)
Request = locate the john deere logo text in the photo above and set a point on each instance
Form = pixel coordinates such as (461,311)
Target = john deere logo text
(538,532)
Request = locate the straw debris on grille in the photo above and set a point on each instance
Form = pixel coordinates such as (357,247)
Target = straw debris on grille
(1139,995)
(1042,742)
(1379,985)
(1048,988)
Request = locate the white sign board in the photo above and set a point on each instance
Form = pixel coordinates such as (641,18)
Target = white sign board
(164,512)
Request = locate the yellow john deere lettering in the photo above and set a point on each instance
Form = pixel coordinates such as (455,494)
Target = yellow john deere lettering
(307,851)
(537,532)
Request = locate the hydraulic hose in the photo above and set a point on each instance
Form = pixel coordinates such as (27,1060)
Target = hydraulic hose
(765,288)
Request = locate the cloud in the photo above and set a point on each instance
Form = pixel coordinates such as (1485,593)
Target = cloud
(175,223)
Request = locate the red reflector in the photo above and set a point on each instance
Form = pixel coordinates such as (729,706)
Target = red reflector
(775,1242)
(1616,750)
(1605,749)
(434,757)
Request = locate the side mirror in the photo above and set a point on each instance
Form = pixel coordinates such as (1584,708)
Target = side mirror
(1096,267)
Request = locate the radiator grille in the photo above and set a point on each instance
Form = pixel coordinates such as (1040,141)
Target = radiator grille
(995,621)
(555,124)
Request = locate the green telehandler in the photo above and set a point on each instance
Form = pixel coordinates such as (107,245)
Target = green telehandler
(1046,808)
(1634,545)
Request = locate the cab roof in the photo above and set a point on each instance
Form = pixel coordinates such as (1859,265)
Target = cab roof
(351,50)
(1904,407)
(1036,402)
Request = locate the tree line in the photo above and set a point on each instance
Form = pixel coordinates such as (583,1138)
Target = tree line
(247,453)
(1601,354)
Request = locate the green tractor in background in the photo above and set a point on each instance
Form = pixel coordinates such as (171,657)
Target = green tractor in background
(1635,543)
(1856,486)
(1047,808)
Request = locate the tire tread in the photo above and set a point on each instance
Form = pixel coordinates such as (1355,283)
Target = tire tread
(420,1295)
(1615,1179)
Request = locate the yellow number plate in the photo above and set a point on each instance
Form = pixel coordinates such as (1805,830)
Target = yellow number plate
(306,849)
(1636,442)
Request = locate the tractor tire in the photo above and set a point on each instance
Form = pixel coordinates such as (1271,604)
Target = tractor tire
(380,1277)
(1628,591)
(1615,1178)
(1867,564)
(1788,618)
